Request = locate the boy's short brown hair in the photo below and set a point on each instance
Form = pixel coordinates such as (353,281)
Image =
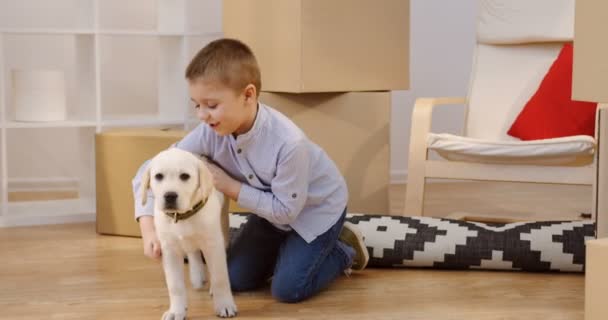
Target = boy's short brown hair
(226,60)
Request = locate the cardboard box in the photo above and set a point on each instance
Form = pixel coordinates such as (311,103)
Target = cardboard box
(353,128)
(118,155)
(596,279)
(324,46)
(590,51)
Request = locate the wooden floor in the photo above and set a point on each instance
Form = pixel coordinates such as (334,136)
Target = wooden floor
(69,272)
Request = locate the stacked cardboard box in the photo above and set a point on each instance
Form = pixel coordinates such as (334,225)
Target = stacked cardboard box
(330,66)
(118,155)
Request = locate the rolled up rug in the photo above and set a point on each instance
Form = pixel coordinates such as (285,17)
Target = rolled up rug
(539,246)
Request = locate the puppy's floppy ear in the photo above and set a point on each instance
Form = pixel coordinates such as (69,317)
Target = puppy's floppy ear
(145,185)
(205,180)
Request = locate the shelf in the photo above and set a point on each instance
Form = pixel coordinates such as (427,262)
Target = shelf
(141,121)
(155,82)
(108,32)
(48,31)
(53,157)
(139,33)
(129,75)
(123,64)
(72,55)
(51,124)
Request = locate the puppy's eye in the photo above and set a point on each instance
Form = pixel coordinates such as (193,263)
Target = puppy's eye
(184,176)
(159,176)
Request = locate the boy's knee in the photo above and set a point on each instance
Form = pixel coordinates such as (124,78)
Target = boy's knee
(289,292)
(239,281)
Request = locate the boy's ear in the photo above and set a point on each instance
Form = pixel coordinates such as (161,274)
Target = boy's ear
(145,185)
(250,91)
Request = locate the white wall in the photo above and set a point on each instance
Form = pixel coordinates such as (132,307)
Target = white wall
(442,37)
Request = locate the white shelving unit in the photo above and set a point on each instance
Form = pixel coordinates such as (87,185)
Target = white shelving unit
(123,63)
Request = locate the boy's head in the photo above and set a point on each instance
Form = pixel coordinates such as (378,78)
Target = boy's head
(228,62)
(224,82)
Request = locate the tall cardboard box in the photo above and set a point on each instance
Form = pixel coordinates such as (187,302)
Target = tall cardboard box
(353,128)
(590,51)
(324,45)
(118,155)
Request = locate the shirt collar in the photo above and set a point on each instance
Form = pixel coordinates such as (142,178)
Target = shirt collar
(258,124)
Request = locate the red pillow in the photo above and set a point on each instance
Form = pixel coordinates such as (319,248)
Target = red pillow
(551,113)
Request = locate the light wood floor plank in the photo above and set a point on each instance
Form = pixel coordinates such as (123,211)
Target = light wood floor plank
(68,272)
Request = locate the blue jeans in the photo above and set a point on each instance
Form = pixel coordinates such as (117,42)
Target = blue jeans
(299,269)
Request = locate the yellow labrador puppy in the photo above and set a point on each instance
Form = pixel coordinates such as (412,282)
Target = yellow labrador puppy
(189,215)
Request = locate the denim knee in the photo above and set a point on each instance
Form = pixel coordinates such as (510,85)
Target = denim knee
(239,281)
(289,291)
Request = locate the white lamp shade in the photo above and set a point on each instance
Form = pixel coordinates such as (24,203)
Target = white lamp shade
(39,95)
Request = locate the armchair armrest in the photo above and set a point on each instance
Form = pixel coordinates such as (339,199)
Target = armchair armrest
(422,116)
(601,118)
(421,126)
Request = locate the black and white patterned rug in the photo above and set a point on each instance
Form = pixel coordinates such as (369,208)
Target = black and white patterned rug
(394,241)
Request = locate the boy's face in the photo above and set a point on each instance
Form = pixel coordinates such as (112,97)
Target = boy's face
(220,107)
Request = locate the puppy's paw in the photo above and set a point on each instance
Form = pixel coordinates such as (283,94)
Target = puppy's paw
(225,308)
(170,315)
(198,280)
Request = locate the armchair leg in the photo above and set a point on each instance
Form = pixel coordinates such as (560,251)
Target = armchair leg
(416,179)
(414,194)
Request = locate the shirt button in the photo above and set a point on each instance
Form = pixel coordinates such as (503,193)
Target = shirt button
(294,195)
(250,176)
(239,150)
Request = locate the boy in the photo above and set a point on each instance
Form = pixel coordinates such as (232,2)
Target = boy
(267,164)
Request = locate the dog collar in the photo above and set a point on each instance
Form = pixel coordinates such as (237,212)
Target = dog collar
(183,216)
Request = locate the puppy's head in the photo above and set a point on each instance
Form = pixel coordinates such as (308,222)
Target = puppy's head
(178,179)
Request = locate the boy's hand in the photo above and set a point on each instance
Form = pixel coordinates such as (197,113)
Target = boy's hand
(225,183)
(149,238)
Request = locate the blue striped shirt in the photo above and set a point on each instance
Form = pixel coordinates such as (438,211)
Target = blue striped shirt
(287,179)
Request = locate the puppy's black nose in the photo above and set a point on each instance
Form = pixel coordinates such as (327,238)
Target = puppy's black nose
(170,197)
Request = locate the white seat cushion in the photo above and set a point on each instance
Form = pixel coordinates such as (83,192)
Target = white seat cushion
(549,151)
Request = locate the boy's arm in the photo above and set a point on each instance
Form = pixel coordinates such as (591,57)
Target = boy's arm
(289,188)
(141,210)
